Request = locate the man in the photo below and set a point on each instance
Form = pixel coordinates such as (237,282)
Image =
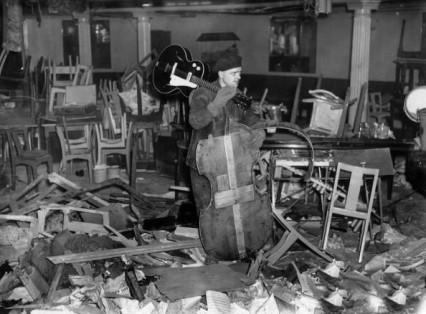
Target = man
(209,113)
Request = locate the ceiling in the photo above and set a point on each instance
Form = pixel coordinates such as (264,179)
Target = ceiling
(182,6)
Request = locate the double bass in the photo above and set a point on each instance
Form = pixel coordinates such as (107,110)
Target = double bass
(238,221)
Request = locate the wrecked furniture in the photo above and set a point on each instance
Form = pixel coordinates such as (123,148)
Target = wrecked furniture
(351,206)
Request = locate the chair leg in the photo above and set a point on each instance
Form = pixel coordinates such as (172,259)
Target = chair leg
(90,166)
(363,238)
(103,157)
(133,162)
(282,247)
(379,199)
(49,166)
(13,170)
(326,231)
(29,173)
(99,159)
(64,167)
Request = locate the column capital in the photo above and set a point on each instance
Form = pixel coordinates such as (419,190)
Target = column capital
(363,5)
(82,17)
(140,15)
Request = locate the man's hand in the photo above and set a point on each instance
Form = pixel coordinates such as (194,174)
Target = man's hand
(223,95)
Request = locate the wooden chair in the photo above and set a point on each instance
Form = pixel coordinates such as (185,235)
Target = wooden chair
(16,78)
(77,95)
(56,98)
(360,107)
(114,137)
(147,125)
(182,130)
(77,142)
(290,236)
(83,75)
(61,75)
(295,109)
(22,154)
(377,109)
(328,113)
(352,203)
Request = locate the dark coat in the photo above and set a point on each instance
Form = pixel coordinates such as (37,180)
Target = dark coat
(203,122)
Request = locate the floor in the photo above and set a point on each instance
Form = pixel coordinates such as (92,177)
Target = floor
(404,212)
(405,209)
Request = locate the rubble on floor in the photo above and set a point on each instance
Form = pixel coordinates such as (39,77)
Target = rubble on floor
(112,249)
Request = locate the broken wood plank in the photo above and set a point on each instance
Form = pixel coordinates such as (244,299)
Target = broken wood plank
(45,193)
(77,226)
(55,282)
(13,203)
(200,279)
(32,220)
(69,185)
(119,218)
(30,186)
(126,242)
(57,199)
(136,195)
(54,177)
(154,248)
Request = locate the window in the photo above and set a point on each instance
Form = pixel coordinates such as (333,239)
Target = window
(292,44)
(70,40)
(101,44)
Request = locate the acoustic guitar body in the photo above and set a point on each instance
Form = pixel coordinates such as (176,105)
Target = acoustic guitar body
(238,221)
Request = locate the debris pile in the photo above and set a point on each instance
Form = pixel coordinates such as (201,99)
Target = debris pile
(65,248)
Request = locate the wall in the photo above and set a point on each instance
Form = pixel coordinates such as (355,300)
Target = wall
(46,40)
(333,40)
(334,45)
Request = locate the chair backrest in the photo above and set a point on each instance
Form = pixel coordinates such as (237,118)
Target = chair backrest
(3,56)
(83,75)
(62,75)
(73,137)
(80,94)
(56,98)
(360,108)
(376,104)
(327,114)
(360,179)
(295,109)
(15,145)
(113,109)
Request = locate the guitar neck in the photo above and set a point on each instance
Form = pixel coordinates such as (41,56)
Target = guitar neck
(196,80)
(213,87)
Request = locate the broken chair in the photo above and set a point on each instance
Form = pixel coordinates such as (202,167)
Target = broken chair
(77,142)
(113,135)
(22,154)
(356,202)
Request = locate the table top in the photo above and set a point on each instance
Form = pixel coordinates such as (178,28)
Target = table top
(77,120)
(288,141)
(16,117)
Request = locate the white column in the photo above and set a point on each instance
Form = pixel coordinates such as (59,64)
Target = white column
(84,42)
(360,62)
(144,36)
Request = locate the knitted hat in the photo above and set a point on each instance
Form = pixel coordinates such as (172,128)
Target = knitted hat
(227,61)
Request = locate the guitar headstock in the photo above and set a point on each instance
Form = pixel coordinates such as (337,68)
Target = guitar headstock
(242,101)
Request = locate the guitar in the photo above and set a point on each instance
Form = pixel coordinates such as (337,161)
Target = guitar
(174,71)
